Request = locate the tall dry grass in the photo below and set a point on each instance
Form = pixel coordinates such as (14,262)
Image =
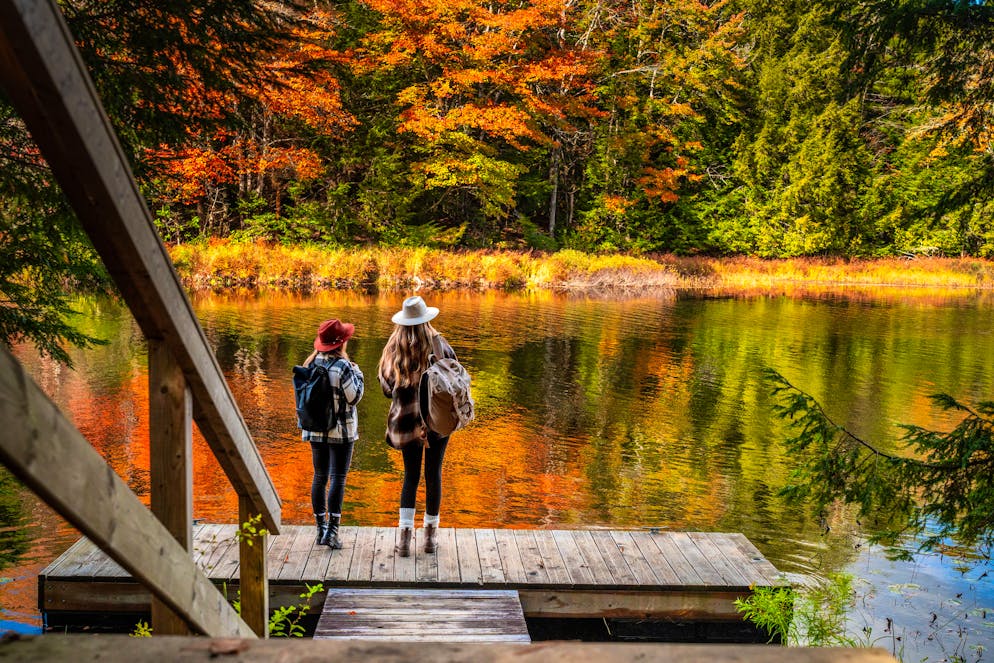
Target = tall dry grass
(222,263)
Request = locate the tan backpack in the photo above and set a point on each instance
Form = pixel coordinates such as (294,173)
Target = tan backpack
(445,398)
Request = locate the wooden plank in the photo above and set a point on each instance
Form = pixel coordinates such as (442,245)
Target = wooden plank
(426,565)
(47,82)
(633,557)
(110,515)
(79,549)
(491,568)
(470,569)
(253,573)
(302,546)
(361,569)
(552,559)
(665,575)
(576,566)
(446,637)
(405,569)
(205,543)
(85,559)
(341,560)
(729,574)
(156,650)
(415,594)
(278,552)
(507,547)
(447,554)
(422,614)
(218,547)
(228,566)
(690,605)
(107,568)
(384,544)
(613,557)
(316,566)
(170,417)
(763,567)
(743,566)
(531,557)
(684,570)
(702,567)
(592,558)
(170,433)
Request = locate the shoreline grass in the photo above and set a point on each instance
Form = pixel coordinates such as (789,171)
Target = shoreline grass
(219,264)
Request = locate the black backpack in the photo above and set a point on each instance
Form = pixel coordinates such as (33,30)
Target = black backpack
(319,405)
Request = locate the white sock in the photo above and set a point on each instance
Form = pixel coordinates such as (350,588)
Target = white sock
(431,520)
(406,518)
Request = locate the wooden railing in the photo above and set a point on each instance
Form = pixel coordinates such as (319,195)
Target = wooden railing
(46,80)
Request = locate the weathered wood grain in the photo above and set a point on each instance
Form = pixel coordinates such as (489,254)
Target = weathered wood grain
(111,515)
(491,567)
(673,589)
(422,615)
(88,649)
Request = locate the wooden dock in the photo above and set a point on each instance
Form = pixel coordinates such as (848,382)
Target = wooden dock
(639,574)
(423,615)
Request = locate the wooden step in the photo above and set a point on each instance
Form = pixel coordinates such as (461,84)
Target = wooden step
(423,615)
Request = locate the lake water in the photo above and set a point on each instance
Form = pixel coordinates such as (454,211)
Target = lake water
(592,411)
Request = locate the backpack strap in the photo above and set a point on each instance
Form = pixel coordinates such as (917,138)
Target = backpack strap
(341,405)
(436,347)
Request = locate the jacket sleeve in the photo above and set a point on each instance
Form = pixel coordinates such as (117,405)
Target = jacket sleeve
(386,386)
(353,383)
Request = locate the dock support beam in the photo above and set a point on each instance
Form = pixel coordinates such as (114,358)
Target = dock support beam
(170,464)
(253,581)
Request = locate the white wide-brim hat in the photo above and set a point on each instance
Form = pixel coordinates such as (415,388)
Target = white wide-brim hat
(415,312)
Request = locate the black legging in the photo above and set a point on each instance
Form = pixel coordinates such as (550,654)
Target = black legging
(330,461)
(433,473)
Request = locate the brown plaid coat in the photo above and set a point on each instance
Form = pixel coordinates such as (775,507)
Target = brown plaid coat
(404,422)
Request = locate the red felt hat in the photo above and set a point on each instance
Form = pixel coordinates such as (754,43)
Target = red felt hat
(332,334)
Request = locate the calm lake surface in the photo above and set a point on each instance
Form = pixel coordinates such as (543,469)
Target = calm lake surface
(607,411)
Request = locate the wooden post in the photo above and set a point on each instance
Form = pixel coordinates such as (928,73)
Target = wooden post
(253,581)
(45,450)
(170,410)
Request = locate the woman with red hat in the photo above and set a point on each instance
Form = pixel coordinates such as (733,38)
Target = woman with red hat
(331,450)
(402,363)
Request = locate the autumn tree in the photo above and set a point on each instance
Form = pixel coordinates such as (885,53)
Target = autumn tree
(237,178)
(668,82)
(158,68)
(482,90)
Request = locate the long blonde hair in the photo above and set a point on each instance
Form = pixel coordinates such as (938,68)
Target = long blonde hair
(405,356)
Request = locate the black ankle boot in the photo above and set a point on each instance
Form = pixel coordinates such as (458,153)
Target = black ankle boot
(331,538)
(322,530)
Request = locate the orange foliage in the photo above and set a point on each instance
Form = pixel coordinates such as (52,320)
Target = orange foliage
(299,88)
(493,71)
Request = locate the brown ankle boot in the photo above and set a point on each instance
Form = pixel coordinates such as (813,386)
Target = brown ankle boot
(431,540)
(404,547)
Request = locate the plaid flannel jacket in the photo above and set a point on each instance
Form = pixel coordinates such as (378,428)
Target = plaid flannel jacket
(404,424)
(349,377)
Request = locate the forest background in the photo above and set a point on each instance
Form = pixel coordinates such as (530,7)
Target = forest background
(772,129)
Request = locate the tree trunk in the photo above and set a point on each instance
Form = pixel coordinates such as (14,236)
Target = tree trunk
(554,196)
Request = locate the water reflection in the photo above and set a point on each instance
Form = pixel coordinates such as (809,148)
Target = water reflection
(592,411)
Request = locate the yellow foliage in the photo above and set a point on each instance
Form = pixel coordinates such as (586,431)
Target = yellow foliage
(223,263)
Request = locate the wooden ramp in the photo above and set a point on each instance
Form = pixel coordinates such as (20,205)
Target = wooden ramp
(637,574)
(423,615)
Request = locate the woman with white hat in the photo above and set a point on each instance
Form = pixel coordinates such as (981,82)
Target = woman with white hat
(404,360)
